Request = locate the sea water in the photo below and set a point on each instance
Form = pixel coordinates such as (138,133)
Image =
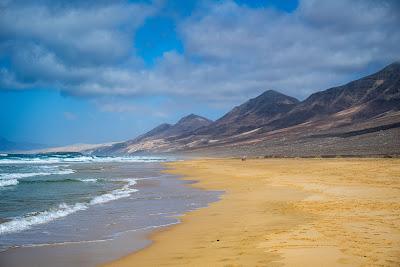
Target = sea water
(62,198)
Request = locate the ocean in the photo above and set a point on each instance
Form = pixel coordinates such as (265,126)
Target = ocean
(61,199)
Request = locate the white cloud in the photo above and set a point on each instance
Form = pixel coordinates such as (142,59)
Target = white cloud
(65,45)
(322,43)
(231,51)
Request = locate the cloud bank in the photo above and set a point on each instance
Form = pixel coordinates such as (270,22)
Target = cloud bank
(230,50)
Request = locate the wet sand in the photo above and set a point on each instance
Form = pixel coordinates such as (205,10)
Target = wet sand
(285,212)
(82,254)
(108,231)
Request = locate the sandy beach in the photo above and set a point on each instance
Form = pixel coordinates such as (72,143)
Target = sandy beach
(285,212)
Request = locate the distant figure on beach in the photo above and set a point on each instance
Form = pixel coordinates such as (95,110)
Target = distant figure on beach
(244,158)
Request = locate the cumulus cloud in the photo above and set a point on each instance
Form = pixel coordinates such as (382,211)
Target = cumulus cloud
(64,44)
(231,50)
(320,44)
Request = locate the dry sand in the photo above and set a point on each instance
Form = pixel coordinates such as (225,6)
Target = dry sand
(285,212)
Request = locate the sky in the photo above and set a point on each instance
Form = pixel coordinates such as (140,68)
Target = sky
(100,71)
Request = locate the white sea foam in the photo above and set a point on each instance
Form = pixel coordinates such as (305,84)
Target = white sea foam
(63,172)
(123,192)
(51,167)
(88,180)
(8,182)
(24,223)
(7,179)
(29,161)
(32,174)
(80,159)
(22,175)
(128,159)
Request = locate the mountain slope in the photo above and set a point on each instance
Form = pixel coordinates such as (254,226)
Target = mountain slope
(354,117)
(155,137)
(269,106)
(187,125)
(367,97)
(157,131)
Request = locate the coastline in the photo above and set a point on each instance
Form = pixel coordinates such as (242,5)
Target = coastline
(330,212)
(112,229)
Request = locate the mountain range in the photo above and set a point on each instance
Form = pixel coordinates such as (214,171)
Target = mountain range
(361,117)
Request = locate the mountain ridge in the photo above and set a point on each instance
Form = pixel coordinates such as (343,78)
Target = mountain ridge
(267,106)
(185,125)
(369,102)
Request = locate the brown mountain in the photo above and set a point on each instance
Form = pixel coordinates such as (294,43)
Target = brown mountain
(362,99)
(185,126)
(157,131)
(267,107)
(360,117)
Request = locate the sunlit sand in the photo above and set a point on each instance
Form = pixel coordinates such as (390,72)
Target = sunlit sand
(285,212)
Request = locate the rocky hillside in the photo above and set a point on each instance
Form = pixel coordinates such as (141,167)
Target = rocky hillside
(361,111)
(153,138)
(361,99)
(267,107)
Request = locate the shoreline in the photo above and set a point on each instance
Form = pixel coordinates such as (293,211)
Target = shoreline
(330,212)
(110,230)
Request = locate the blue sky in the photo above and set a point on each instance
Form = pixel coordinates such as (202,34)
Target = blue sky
(100,71)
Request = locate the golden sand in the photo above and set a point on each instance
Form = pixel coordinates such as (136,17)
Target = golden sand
(285,212)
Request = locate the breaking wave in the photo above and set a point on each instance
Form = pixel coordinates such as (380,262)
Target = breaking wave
(20,224)
(26,222)
(123,192)
(60,158)
(8,179)
(8,182)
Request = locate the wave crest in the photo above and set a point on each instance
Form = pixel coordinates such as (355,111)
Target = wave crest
(8,182)
(76,159)
(24,223)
